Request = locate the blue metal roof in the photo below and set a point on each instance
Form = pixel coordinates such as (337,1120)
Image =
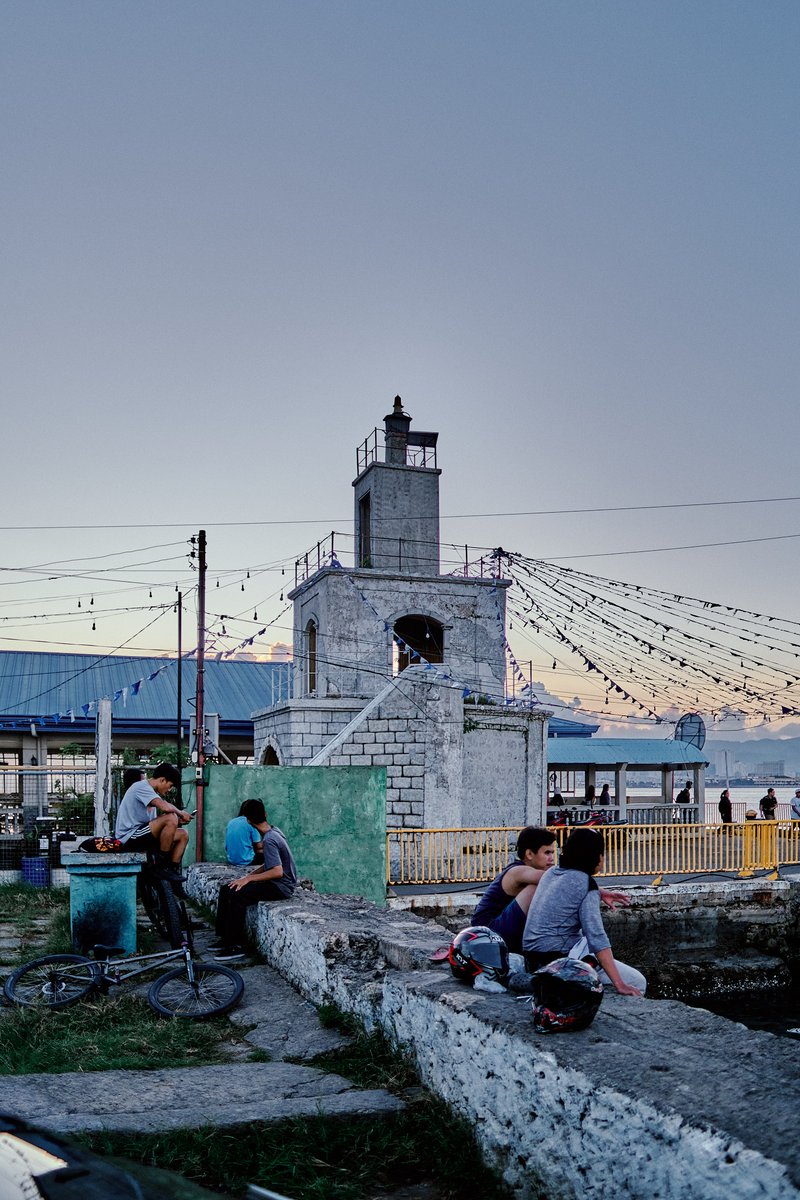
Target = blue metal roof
(54,689)
(560,727)
(636,752)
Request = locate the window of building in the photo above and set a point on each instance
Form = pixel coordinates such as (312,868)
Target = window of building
(364,532)
(311,658)
(420,634)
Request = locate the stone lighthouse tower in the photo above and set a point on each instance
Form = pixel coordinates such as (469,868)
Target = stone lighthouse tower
(392,628)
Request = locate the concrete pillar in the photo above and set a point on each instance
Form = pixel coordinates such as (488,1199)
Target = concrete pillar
(699,789)
(102,750)
(536,773)
(33,783)
(443,706)
(621,788)
(590,778)
(102,899)
(667,784)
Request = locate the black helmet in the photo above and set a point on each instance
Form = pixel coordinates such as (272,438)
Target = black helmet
(479,951)
(566,995)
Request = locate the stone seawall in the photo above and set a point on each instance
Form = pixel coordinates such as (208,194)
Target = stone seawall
(653,1100)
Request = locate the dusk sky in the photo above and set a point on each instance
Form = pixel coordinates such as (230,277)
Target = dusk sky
(565,233)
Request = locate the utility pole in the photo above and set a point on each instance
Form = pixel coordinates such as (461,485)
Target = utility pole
(200,736)
(179,727)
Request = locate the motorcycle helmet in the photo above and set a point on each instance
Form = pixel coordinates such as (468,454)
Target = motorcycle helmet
(478,950)
(566,996)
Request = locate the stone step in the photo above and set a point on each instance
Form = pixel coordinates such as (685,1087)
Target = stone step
(281,1021)
(187,1097)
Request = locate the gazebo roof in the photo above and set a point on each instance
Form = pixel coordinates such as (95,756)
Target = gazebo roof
(633,752)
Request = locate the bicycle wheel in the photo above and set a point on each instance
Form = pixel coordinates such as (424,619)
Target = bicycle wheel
(216,990)
(161,905)
(53,982)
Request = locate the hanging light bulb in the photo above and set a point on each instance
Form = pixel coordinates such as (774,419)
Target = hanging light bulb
(217,583)
(79,604)
(255,616)
(224,631)
(281,595)
(248,574)
(554,664)
(151,593)
(242,585)
(92,600)
(94,626)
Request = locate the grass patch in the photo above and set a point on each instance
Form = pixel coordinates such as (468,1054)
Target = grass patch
(108,1033)
(369,1059)
(323,1158)
(40,917)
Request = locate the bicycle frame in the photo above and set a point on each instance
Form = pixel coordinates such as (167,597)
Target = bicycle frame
(113,972)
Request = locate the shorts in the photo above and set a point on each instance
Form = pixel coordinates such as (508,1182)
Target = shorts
(142,844)
(510,924)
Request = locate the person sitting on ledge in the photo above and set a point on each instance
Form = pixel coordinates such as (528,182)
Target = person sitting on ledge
(505,903)
(564,917)
(242,839)
(162,835)
(274,879)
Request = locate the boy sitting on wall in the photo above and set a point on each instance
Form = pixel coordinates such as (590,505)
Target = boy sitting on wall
(274,879)
(243,844)
(162,834)
(505,903)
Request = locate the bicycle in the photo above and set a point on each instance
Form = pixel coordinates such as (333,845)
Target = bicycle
(166,911)
(193,991)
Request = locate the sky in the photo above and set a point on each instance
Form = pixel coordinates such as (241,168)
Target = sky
(565,234)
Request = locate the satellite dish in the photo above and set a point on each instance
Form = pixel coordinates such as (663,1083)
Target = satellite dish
(692,729)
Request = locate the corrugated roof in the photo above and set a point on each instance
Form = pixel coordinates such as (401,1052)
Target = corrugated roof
(45,685)
(558,727)
(636,752)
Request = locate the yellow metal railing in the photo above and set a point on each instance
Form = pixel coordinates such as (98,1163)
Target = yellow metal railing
(426,856)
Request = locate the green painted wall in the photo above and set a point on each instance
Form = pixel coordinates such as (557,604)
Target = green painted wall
(334,819)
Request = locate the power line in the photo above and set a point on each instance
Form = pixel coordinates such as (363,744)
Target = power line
(542,512)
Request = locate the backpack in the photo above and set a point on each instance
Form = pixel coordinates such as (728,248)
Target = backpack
(101,845)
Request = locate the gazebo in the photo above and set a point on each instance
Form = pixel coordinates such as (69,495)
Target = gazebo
(590,755)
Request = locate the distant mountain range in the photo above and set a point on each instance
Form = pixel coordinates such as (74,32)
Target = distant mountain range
(758,750)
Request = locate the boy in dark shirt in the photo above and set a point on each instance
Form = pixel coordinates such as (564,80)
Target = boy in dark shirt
(274,879)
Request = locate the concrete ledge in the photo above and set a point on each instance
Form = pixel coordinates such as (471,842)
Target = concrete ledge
(698,921)
(654,1100)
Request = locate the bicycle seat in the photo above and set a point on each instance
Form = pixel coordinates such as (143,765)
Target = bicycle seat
(101,951)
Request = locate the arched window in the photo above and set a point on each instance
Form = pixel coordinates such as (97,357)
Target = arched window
(417,637)
(271,757)
(311,658)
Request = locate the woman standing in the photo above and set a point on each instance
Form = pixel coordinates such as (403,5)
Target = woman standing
(564,918)
(725,808)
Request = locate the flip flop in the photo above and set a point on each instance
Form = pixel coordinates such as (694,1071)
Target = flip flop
(439,955)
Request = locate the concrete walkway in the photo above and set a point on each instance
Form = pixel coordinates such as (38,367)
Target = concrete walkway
(186,1097)
(276,1019)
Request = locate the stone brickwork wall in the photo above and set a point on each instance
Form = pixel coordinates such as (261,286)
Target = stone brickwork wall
(448,764)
